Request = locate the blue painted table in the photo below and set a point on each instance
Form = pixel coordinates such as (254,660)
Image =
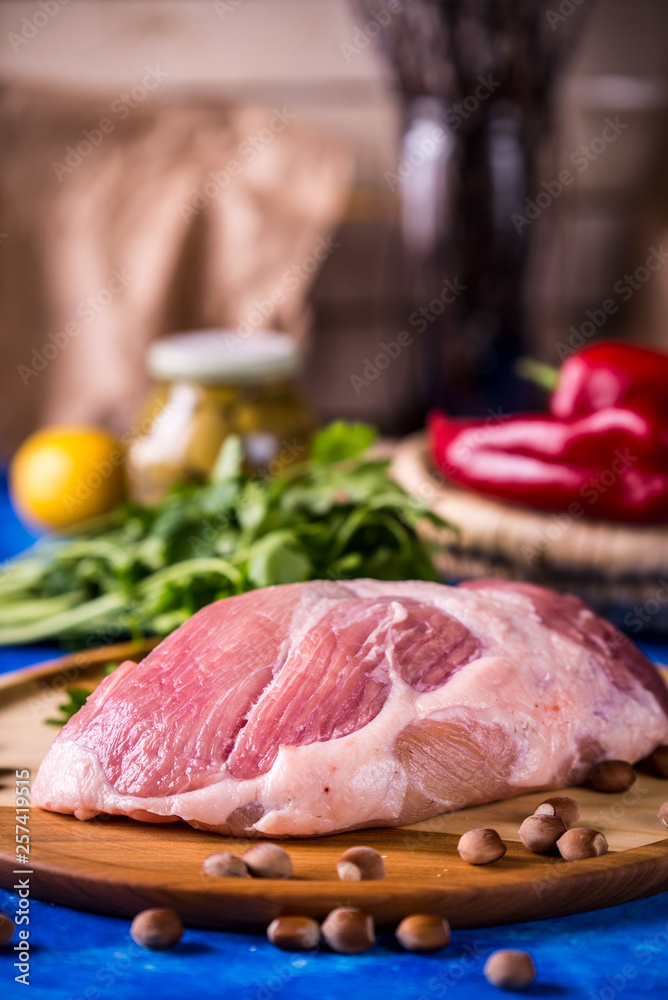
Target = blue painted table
(620,952)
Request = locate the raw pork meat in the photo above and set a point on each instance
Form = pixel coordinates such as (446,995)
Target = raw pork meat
(315,707)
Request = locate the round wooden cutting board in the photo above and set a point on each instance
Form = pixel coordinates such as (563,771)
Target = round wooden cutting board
(119,866)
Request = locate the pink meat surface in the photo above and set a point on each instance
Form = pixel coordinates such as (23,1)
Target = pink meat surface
(316,707)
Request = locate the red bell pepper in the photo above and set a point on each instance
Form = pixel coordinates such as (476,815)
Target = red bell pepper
(612,463)
(612,374)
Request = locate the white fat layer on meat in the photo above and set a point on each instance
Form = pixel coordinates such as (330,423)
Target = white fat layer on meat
(538,706)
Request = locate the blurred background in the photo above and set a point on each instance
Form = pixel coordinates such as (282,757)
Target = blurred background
(118,213)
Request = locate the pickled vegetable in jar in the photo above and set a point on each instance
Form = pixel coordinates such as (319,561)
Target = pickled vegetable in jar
(209,384)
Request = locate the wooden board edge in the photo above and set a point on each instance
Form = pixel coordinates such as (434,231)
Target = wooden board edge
(81,660)
(237,905)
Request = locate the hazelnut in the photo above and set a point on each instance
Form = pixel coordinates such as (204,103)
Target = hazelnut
(580,843)
(348,930)
(481,847)
(268,861)
(562,806)
(657,762)
(423,932)
(541,833)
(294,933)
(224,864)
(663,816)
(6,930)
(511,970)
(157,929)
(359,864)
(612,776)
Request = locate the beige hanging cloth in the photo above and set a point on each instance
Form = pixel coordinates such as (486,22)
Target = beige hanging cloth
(119,223)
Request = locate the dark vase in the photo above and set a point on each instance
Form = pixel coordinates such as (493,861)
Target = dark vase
(477,82)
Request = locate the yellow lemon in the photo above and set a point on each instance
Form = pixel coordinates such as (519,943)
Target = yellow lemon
(62,475)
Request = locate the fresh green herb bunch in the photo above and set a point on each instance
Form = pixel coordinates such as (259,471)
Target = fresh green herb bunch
(145,570)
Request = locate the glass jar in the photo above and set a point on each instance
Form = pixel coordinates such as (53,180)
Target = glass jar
(211,383)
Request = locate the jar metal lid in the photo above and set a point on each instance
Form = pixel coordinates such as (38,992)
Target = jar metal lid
(224,357)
